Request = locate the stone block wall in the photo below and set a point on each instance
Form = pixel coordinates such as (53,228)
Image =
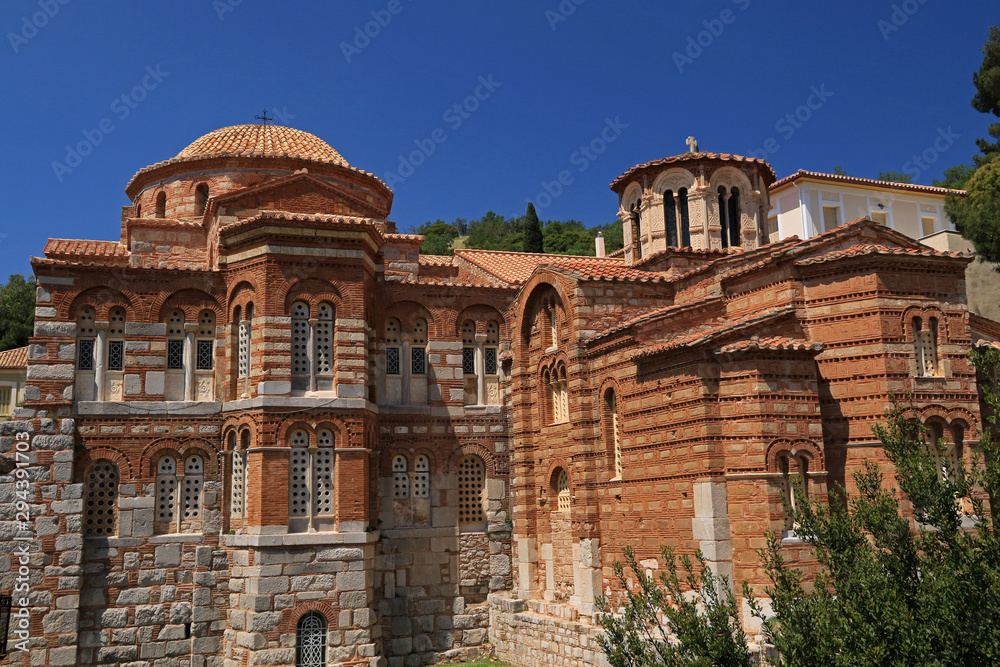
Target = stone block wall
(532,633)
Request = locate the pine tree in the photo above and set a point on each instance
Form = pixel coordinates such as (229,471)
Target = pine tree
(533,240)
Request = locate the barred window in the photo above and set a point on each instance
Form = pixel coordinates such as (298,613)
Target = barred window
(418,357)
(562,491)
(101,499)
(392,361)
(392,366)
(175,354)
(469,360)
(300,338)
(471,484)
(85,358)
(298,475)
(206,354)
(116,355)
(310,641)
(324,339)
(490,354)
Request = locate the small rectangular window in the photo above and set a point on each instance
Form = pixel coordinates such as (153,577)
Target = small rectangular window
(175,355)
(771,229)
(5,393)
(469,360)
(85,355)
(392,361)
(928,225)
(116,355)
(418,359)
(831,217)
(206,355)
(491,360)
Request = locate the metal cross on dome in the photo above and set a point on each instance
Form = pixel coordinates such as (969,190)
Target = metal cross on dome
(264,117)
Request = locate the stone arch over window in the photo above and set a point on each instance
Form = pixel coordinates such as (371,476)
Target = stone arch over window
(558,394)
(86,338)
(481,360)
(945,442)
(632,220)
(300,345)
(472,493)
(311,640)
(192,489)
(100,512)
(924,329)
(200,198)
(795,463)
(404,370)
(161,204)
(242,342)
(672,187)
(311,470)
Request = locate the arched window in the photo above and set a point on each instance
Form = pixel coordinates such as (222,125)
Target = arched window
(310,480)
(559,396)
(205,352)
(323,348)
(548,397)
(322,474)
(925,346)
(400,477)
(794,480)
(166,495)
(471,491)
(945,447)
(194,483)
(735,235)
(392,366)
(481,364)
(310,641)
(670,217)
(161,204)
(85,335)
(553,325)
(469,348)
(563,499)
(116,339)
(244,340)
(138,210)
(238,476)
(101,499)
(723,214)
(612,430)
(298,476)
(175,341)
(300,340)
(421,477)
(418,348)
(682,214)
(200,198)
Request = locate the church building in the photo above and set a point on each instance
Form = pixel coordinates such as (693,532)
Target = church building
(261,429)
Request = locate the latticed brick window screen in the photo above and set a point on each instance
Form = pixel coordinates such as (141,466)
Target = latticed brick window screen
(324,339)
(194,482)
(400,477)
(323,474)
(300,338)
(298,475)
(471,484)
(562,491)
(101,499)
(244,349)
(421,477)
(166,492)
(238,483)
(310,641)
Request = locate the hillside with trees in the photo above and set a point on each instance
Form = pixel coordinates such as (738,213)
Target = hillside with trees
(496,232)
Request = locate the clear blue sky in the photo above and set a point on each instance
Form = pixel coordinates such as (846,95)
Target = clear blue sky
(887,91)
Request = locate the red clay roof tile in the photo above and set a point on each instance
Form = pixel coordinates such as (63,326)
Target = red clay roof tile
(856,180)
(16,359)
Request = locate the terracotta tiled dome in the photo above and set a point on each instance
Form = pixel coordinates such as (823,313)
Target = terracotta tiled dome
(262,140)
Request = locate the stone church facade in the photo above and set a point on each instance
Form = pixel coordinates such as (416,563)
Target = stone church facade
(260,428)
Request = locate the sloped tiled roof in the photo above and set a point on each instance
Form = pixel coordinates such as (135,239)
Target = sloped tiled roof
(75,247)
(771,343)
(515,268)
(16,359)
(874,249)
(654,314)
(856,180)
(683,157)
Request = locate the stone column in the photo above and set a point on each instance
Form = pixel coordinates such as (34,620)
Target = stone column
(100,359)
(189,362)
(698,218)
(710,527)
(405,365)
(480,370)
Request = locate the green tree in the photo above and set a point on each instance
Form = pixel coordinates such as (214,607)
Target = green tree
(495,232)
(977,215)
(989,149)
(839,171)
(569,237)
(17,312)
(533,238)
(956,177)
(438,237)
(701,629)
(987,79)
(895,177)
(892,592)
